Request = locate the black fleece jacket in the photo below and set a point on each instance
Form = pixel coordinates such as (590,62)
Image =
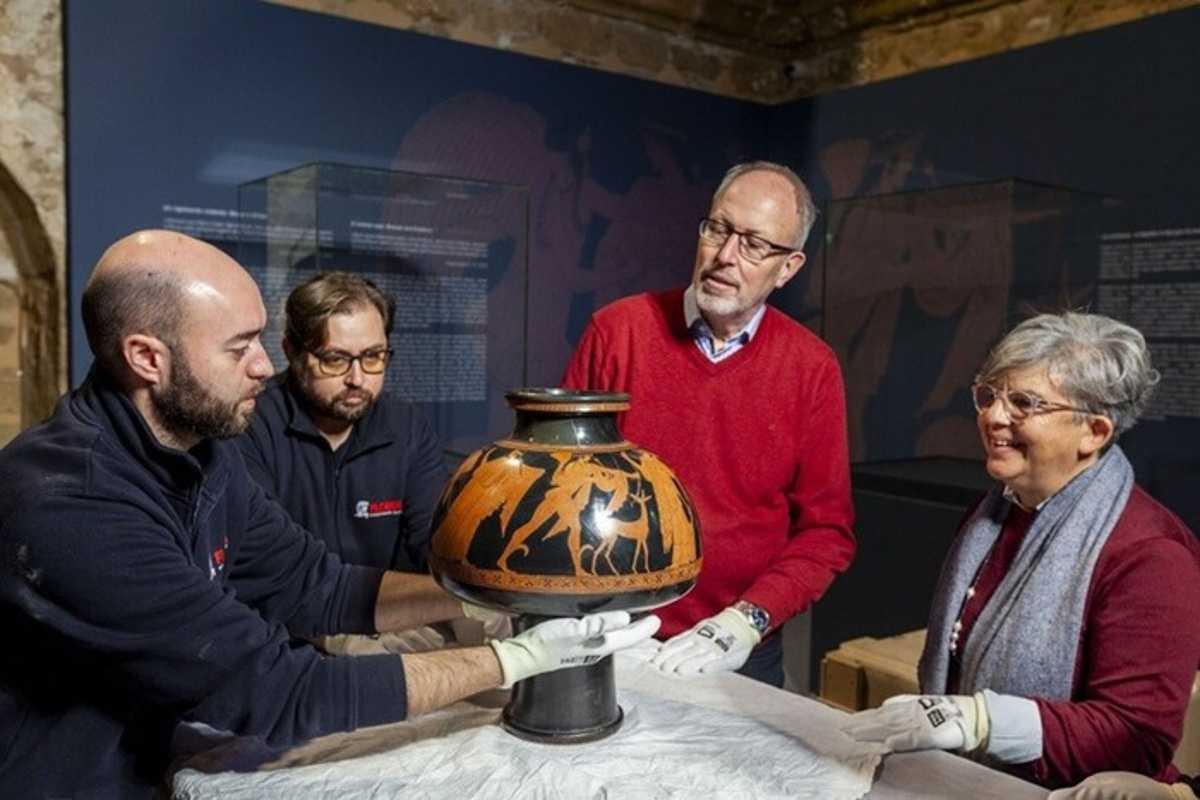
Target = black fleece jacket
(141,586)
(372,500)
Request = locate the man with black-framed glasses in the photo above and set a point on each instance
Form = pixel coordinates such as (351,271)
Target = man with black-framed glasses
(360,469)
(748,407)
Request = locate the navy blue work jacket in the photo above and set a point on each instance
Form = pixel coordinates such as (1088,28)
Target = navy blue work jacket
(372,500)
(141,585)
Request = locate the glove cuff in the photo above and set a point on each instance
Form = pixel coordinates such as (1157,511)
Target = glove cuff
(516,661)
(479,613)
(976,722)
(737,624)
(1015,735)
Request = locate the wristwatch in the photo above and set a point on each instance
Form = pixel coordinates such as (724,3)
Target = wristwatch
(757,616)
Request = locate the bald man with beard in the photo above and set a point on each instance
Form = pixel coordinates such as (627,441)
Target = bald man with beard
(145,580)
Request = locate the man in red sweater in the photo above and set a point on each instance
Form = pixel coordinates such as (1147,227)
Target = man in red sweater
(748,407)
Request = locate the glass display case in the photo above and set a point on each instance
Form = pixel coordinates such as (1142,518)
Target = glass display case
(451,252)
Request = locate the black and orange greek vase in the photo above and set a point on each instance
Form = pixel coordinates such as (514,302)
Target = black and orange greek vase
(565,517)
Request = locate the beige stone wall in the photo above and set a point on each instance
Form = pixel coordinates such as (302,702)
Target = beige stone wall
(550,29)
(31,107)
(11,418)
(32,211)
(977,29)
(854,41)
(10,351)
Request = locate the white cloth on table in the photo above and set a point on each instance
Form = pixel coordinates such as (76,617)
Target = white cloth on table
(708,737)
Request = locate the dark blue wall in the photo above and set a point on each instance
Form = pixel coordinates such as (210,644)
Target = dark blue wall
(179,102)
(1113,113)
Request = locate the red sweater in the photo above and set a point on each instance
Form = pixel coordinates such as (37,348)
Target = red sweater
(1138,650)
(758,440)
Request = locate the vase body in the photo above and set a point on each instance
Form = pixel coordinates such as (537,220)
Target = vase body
(565,518)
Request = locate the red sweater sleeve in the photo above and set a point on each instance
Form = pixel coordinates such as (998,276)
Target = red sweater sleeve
(820,543)
(1137,662)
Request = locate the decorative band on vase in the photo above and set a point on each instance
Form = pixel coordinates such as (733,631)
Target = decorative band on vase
(564,584)
(538,447)
(573,408)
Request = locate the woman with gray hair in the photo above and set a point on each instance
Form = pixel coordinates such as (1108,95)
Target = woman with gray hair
(1062,640)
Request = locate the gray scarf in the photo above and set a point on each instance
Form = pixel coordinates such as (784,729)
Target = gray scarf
(1026,639)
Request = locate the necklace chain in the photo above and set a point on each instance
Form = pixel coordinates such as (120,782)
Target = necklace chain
(956,628)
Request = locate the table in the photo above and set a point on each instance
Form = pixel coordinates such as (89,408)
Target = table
(722,736)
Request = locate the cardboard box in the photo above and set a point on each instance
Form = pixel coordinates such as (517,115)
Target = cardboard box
(862,673)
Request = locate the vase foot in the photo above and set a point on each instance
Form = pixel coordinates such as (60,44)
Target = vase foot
(566,706)
(573,736)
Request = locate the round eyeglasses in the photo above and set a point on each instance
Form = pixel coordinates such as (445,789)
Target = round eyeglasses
(1019,404)
(335,363)
(751,246)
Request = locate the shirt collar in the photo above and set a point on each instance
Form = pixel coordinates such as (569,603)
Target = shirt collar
(1011,497)
(697,325)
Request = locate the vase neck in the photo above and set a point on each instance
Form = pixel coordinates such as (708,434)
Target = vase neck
(567,418)
(574,430)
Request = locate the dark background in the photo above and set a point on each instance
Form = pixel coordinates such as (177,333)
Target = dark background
(180,102)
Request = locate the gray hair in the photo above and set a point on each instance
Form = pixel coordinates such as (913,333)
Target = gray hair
(1100,364)
(123,302)
(806,209)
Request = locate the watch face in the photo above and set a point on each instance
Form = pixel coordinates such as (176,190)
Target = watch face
(759,619)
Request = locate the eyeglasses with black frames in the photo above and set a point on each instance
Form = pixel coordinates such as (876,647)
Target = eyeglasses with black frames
(751,246)
(1019,404)
(335,363)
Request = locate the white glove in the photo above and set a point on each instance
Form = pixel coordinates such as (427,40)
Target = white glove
(716,644)
(923,722)
(1123,786)
(569,642)
(643,652)
(496,624)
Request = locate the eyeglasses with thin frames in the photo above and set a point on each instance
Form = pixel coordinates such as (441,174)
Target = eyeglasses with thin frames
(1019,404)
(751,246)
(335,363)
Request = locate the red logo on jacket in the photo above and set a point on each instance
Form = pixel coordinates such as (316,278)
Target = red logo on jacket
(370,509)
(216,561)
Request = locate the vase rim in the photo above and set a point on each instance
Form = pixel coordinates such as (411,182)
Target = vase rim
(567,399)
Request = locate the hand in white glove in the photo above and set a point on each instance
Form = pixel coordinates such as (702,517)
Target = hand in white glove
(643,652)
(1122,786)
(716,644)
(923,722)
(569,642)
(496,624)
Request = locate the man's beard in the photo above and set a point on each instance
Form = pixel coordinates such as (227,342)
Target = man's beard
(189,410)
(335,407)
(718,305)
